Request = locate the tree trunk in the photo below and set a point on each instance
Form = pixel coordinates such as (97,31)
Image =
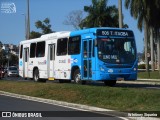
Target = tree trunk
(158,54)
(146,44)
(158,51)
(120,13)
(152,49)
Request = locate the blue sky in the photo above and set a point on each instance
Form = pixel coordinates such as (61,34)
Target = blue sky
(12,25)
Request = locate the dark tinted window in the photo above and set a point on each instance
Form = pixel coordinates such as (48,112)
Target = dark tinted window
(74,45)
(21,51)
(32,50)
(40,51)
(62,46)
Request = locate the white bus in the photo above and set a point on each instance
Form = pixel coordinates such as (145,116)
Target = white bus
(37,57)
(98,54)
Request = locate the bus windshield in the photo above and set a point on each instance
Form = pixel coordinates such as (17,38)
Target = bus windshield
(117,50)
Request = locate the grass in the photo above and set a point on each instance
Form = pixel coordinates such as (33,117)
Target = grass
(150,75)
(116,98)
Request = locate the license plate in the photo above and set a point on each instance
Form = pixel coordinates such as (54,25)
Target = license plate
(51,78)
(120,79)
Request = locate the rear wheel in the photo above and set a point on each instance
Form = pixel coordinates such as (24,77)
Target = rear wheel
(110,83)
(36,75)
(77,78)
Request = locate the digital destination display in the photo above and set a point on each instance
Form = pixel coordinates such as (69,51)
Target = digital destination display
(116,33)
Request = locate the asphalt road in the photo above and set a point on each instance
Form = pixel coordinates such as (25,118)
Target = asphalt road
(19,107)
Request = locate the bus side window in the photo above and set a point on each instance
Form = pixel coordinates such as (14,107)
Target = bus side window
(40,51)
(32,50)
(21,51)
(62,46)
(74,45)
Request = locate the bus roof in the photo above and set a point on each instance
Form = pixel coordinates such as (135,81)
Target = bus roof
(94,30)
(63,34)
(55,35)
(50,36)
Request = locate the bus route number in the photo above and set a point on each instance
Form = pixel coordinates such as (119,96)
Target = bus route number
(115,33)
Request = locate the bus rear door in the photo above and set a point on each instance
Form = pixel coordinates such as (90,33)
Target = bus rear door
(25,61)
(51,58)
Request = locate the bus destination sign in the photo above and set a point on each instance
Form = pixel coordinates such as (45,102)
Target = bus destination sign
(116,33)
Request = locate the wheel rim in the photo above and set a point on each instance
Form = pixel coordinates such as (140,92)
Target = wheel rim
(36,76)
(77,78)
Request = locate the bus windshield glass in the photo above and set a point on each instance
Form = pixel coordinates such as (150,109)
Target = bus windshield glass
(117,50)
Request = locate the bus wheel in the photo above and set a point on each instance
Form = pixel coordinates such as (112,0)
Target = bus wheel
(36,75)
(110,83)
(77,78)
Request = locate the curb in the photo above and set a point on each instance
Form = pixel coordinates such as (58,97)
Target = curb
(157,80)
(142,81)
(139,82)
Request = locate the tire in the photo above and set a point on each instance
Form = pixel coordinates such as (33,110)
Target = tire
(36,75)
(110,83)
(77,77)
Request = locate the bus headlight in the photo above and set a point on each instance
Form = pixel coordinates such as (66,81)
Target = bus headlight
(101,68)
(135,69)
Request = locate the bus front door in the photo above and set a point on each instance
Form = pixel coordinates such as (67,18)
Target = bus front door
(25,61)
(51,58)
(87,63)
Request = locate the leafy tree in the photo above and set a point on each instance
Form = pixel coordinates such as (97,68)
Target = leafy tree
(45,27)
(100,15)
(34,34)
(74,18)
(0,45)
(3,59)
(13,59)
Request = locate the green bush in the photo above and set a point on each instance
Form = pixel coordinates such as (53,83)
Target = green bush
(143,66)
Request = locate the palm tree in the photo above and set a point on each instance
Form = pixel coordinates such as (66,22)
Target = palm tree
(138,11)
(153,22)
(99,14)
(146,11)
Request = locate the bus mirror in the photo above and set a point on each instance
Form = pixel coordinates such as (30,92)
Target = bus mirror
(95,42)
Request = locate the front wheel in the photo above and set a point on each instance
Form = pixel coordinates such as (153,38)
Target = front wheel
(77,78)
(110,83)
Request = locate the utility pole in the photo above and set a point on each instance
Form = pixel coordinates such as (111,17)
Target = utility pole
(120,13)
(28,21)
(25,23)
